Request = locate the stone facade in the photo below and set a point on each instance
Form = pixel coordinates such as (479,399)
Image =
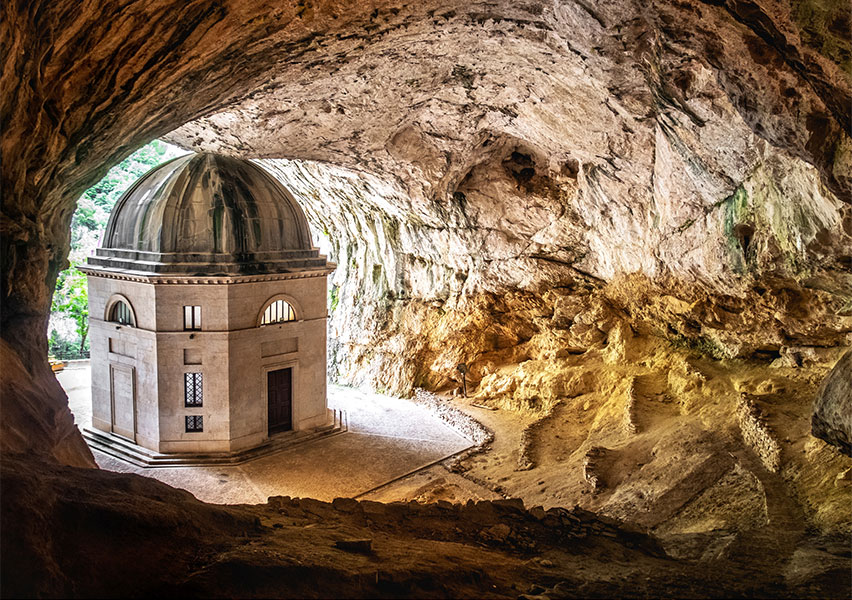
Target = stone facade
(232,352)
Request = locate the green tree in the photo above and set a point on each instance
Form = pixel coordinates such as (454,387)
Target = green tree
(72,299)
(95,205)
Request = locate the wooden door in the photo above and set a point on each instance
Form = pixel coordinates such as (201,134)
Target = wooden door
(123,392)
(279,393)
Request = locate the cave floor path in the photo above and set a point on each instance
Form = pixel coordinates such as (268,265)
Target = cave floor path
(387,439)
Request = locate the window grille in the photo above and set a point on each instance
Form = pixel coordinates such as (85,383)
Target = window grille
(278,312)
(192,389)
(194,423)
(120,313)
(191,318)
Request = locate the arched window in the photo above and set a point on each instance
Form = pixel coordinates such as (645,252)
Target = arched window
(120,313)
(278,312)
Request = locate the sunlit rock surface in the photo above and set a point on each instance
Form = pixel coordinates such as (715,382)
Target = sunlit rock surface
(405,287)
(522,148)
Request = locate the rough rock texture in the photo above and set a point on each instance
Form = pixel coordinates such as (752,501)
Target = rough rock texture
(694,423)
(409,302)
(34,407)
(520,147)
(86,524)
(832,417)
(757,433)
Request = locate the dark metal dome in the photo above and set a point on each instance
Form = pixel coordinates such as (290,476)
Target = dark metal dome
(207,214)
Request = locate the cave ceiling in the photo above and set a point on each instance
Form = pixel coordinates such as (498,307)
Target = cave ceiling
(661,108)
(602,137)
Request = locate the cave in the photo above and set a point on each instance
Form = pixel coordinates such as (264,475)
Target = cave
(630,221)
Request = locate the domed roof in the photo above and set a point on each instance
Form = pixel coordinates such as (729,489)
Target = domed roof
(207,214)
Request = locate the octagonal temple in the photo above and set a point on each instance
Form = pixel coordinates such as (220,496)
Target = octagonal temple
(207,307)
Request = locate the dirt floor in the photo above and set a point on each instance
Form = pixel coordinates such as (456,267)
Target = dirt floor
(667,448)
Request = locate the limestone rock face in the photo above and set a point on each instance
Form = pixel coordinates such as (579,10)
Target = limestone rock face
(603,142)
(410,301)
(832,418)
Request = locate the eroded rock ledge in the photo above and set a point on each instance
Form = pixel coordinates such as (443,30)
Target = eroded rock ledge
(133,527)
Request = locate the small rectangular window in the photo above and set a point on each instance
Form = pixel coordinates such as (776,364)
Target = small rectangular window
(193,393)
(194,423)
(191,317)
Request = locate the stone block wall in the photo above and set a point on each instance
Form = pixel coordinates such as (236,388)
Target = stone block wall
(757,434)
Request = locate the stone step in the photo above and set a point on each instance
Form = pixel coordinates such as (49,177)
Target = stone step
(124,449)
(114,447)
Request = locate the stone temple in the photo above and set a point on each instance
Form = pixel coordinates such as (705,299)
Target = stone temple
(207,303)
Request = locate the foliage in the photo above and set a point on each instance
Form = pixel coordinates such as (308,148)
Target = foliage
(65,348)
(72,298)
(700,345)
(334,297)
(69,319)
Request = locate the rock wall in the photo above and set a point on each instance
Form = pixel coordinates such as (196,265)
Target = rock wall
(757,434)
(409,300)
(832,416)
(639,170)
